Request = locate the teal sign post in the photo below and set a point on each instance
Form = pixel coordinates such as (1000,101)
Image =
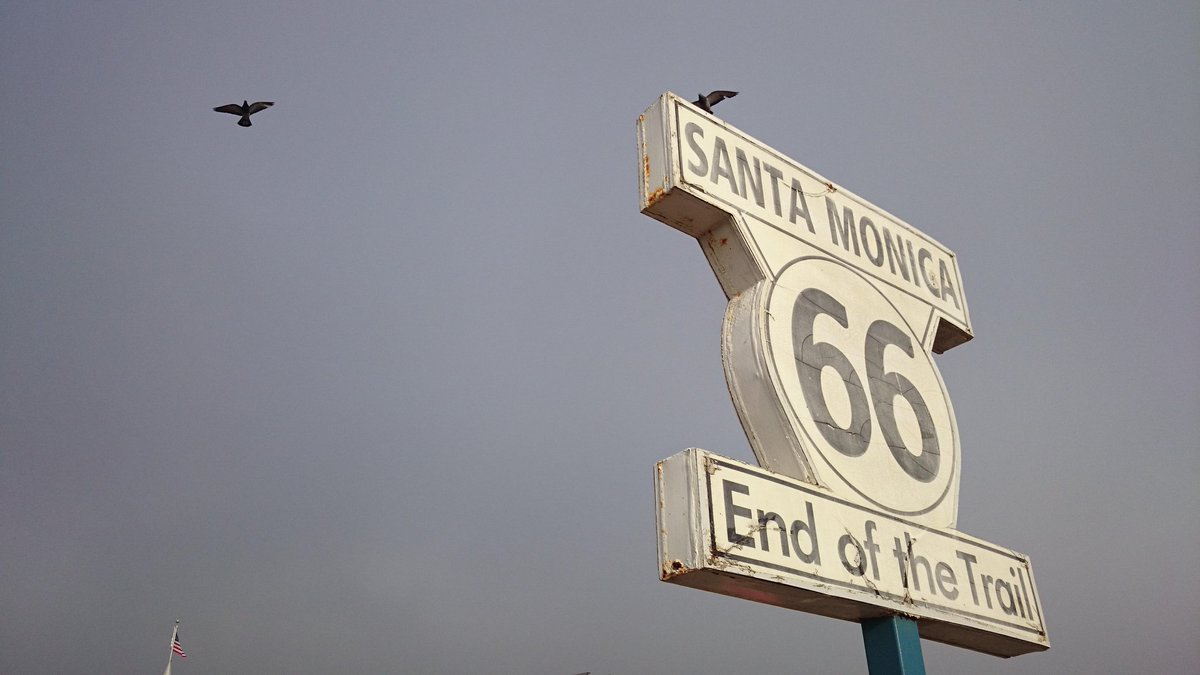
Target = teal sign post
(893,646)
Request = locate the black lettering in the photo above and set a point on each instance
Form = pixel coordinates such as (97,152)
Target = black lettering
(1021,577)
(885,387)
(987,594)
(925,276)
(872,548)
(763,540)
(1019,592)
(895,253)
(800,207)
(1009,607)
(947,283)
(746,177)
(901,557)
(857,568)
(945,577)
(913,258)
(808,527)
(863,224)
(691,130)
(731,510)
(775,175)
(722,166)
(969,560)
(917,560)
(812,357)
(845,226)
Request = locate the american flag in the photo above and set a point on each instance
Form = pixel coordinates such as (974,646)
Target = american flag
(176,647)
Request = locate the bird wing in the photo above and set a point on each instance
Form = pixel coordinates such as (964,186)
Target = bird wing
(720,95)
(260,105)
(232,109)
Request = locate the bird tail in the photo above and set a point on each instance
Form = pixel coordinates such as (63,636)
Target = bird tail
(244,122)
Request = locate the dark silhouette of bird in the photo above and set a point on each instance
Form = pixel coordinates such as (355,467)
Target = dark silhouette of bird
(245,110)
(707,102)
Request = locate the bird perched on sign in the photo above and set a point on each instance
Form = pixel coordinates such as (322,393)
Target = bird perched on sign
(707,102)
(245,110)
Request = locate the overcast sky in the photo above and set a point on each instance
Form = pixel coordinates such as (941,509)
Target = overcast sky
(378,384)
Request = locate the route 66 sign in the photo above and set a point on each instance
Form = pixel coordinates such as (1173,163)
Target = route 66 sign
(834,308)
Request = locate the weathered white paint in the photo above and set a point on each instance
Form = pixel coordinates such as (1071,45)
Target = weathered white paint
(835,309)
(867,415)
(739,530)
(699,173)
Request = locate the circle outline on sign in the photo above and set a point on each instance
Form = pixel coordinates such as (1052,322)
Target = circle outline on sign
(794,407)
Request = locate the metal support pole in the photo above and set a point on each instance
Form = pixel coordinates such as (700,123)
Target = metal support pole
(893,646)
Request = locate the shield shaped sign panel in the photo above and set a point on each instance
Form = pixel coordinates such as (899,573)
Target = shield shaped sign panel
(835,310)
(835,307)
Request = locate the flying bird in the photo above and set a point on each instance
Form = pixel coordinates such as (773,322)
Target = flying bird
(245,110)
(707,102)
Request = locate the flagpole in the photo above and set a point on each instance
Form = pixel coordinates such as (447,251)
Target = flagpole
(171,653)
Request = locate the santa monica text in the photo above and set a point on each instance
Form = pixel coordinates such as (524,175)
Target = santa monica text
(785,196)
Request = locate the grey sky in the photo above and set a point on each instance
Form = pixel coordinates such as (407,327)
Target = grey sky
(378,384)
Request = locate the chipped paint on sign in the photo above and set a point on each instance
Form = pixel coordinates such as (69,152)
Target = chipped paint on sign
(834,308)
(738,530)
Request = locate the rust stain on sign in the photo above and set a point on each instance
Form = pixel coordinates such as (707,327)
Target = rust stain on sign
(655,196)
(673,569)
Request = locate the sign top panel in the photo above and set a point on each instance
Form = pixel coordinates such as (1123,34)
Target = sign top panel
(697,170)
(834,307)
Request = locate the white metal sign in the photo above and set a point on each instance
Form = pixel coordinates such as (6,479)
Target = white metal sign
(835,309)
(739,530)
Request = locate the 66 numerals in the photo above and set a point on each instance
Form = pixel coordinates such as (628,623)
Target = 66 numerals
(880,392)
